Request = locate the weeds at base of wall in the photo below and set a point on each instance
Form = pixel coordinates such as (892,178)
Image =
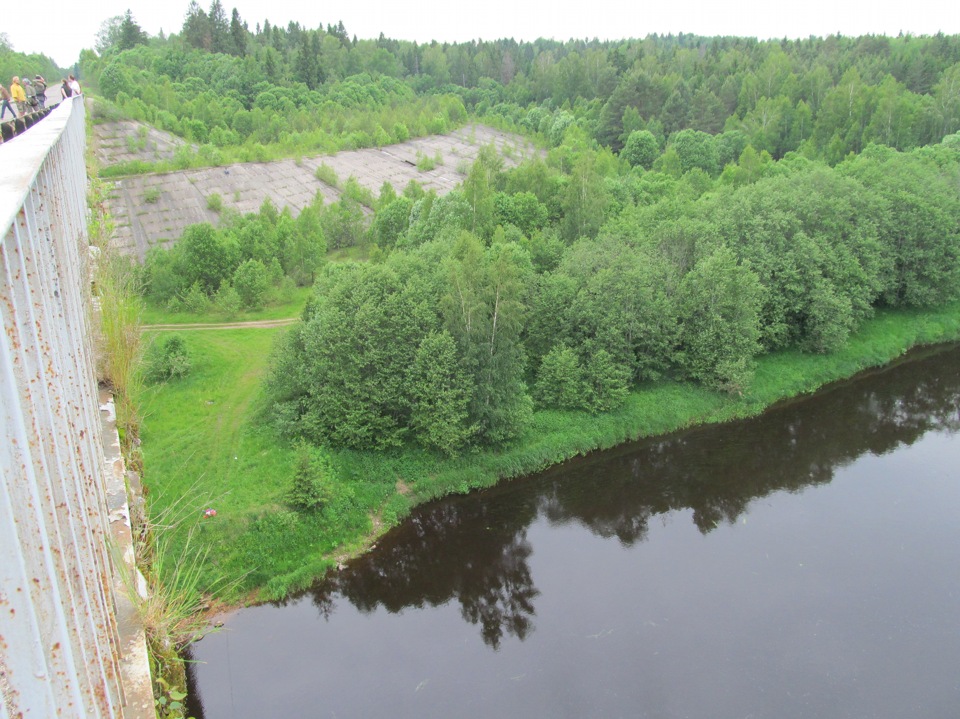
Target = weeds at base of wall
(170,603)
(172,609)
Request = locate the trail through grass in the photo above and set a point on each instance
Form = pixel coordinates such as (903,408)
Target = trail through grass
(154,315)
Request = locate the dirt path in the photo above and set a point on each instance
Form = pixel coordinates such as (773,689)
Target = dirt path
(222,325)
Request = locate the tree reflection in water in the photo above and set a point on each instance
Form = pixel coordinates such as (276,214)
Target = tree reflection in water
(474,549)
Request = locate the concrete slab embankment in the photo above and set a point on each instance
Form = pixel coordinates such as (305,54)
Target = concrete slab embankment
(154,210)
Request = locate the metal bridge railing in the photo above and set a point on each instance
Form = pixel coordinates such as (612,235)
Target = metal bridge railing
(59,644)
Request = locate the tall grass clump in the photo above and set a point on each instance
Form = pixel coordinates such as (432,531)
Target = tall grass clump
(327,175)
(170,605)
(169,598)
(118,346)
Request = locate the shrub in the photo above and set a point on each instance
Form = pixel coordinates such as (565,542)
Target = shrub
(313,480)
(215,202)
(227,300)
(355,191)
(425,163)
(328,176)
(560,381)
(152,195)
(250,281)
(195,300)
(285,290)
(400,132)
(168,359)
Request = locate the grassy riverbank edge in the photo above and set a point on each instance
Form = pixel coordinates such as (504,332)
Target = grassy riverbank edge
(269,550)
(666,407)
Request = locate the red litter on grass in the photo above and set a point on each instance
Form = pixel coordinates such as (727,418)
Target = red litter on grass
(210,513)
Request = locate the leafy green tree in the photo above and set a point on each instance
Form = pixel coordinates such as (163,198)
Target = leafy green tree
(349,363)
(558,128)
(227,300)
(696,149)
(607,382)
(342,223)
(108,36)
(676,109)
(194,299)
(669,163)
(250,282)
(719,304)
(238,34)
(641,149)
(730,144)
(160,278)
(585,200)
(114,80)
(916,222)
(197,30)
(478,192)
(549,324)
(219,29)
(167,359)
(440,394)
(308,60)
(484,310)
(432,217)
(894,119)
(798,232)
(258,238)
(560,381)
(843,117)
(391,222)
(622,305)
(305,252)
(522,210)
(203,258)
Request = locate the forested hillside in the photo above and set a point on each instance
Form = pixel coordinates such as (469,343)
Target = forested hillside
(13,63)
(702,201)
(221,83)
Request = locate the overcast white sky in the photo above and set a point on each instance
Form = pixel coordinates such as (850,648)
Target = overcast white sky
(61,28)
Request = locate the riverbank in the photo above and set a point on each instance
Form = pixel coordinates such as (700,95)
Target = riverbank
(205,448)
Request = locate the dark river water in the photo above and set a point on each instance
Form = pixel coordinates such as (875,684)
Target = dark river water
(802,564)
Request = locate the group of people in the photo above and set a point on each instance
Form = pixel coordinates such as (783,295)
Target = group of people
(30,95)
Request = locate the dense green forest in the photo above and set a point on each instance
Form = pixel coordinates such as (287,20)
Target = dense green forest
(221,84)
(701,201)
(13,63)
(455,340)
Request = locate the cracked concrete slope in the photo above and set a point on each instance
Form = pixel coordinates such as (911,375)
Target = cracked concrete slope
(154,210)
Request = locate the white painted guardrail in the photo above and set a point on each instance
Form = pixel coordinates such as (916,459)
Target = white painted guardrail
(59,644)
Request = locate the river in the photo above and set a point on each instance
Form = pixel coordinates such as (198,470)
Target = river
(804,563)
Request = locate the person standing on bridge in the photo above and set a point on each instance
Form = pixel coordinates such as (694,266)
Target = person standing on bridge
(65,90)
(41,85)
(31,92)
(75,85)
(5,96)
(19,96)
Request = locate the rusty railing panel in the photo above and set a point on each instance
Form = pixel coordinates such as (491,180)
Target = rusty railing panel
(58,632)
